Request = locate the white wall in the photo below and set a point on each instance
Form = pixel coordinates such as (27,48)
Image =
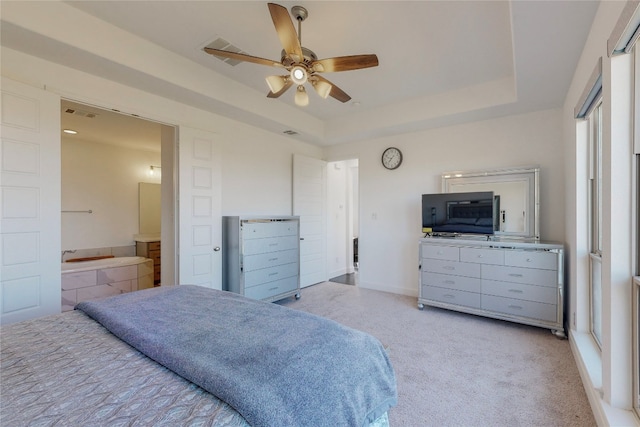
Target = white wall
(256,165)
(390,200)
(103,178)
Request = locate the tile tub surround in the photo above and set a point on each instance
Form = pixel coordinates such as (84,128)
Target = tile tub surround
(116,251)
(82,281)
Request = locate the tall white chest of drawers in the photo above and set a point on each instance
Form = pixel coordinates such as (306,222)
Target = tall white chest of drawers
(261,256)
(517,281)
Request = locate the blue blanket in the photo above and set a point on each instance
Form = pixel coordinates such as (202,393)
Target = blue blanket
(275,365)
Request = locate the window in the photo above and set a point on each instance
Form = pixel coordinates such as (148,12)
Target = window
(594,119)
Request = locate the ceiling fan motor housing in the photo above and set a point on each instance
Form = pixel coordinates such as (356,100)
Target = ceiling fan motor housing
(308,54)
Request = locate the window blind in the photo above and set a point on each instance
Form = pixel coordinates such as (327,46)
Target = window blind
(627,30)
(591,92)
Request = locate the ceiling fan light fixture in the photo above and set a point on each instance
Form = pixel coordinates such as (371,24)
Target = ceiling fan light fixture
(276,83)
(301,98)
(299,75)
(322,88)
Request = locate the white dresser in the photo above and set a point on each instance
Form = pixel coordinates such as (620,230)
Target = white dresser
(261,256)
(511,280)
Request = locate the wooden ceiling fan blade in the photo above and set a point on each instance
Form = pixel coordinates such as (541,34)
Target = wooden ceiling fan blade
(242,57)
(286,31)
(345,63)
(277,94)
(335,92)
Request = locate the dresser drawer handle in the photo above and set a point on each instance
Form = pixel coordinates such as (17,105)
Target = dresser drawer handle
(480,256)
(515,306)
(449,282)
(449,296)
(273,289)
(448,267)
(273,274)
(439,252)
(515,275)
(273,244)
(273,259)
(528,259)
(517,291)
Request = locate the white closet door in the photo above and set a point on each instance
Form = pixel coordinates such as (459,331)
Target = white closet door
(30,199)
(199,256)
(309,203)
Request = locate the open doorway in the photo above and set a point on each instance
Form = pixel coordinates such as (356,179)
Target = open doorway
(342,223)
(107,165)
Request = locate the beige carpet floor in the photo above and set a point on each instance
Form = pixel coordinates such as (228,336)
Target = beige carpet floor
(456,369)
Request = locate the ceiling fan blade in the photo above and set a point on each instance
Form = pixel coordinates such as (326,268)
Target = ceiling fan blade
(286,31)
(345,63)
(335,92)
(277,94)
(242,57)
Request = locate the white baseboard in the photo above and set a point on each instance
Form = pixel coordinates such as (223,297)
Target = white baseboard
(589,365)
(412,292)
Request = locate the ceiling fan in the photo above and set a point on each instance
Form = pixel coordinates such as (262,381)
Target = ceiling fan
(301,63)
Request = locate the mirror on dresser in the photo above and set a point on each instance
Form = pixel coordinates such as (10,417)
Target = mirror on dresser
(518,192)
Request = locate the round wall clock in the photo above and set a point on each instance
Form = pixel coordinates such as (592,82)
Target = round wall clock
(392,158)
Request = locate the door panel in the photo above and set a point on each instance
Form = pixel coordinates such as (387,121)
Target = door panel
(309,203)
(199,256)
(30,195)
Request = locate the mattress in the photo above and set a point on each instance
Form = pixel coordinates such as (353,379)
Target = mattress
(67,369)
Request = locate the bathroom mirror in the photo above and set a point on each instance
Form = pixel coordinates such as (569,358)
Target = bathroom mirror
(517,189)
(149,208)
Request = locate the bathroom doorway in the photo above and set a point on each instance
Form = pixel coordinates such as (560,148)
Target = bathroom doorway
(104,164)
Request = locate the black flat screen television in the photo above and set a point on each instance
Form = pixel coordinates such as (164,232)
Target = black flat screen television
(474,213)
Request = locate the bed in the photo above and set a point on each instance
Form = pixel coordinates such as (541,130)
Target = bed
(187,355)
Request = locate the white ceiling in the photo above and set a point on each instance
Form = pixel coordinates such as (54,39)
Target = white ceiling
(441,62)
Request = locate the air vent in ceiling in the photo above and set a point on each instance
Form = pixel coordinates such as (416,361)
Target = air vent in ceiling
(222,44)
(83,113)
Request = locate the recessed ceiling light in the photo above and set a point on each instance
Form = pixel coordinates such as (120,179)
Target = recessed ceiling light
(70,131)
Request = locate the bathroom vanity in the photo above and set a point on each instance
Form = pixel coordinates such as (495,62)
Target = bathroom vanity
(149,246)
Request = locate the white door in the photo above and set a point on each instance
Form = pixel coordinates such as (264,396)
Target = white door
(309,202)
(199,221)
(30,195)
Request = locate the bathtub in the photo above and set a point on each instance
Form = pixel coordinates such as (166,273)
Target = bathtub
(87,280)
(70,267)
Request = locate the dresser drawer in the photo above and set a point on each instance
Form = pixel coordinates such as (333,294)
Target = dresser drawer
(532,259)
(153,246)
(520,275)
(258,230)
(270,289)
(545,294)
(534,310)
(461,283)
(270,244)
(257,277)
(450,253)
(451,267)
(269,259)
(482,255)
(451,296)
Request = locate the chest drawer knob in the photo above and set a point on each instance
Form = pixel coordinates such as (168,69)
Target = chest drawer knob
(516,291)
(449,282)
(448,267)
(517,307)
(515,275)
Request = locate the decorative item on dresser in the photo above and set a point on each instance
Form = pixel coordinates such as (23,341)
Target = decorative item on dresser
(150,248)
(519,281)
(261,256)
